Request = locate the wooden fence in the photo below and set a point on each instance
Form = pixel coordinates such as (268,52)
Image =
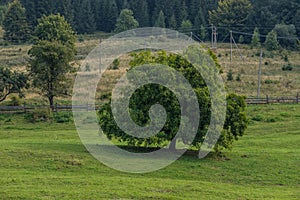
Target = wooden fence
(89,107)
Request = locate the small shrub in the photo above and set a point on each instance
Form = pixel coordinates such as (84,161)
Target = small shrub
(271,120)
(266,63)
(62,117)
(219,55)
(38,115)
(230,76)
(258,118)
(80,38)
(15,101)
(115,64)
(238,78)
(288,67)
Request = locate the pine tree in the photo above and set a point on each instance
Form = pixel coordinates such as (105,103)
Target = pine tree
(255,43)
(160,21)
(111,15)
(186,26)
(141,12)
(271,42)
(126,21)
(203,33)
(173,22)
(2,13)
(15,24)
(85,22)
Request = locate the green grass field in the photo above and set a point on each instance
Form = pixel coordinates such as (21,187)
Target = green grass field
(48,161)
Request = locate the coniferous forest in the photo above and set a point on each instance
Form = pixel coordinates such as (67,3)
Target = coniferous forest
(88,16)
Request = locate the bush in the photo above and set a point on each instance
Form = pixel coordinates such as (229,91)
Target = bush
(258,118)
(288,67)
(15,101)
(115,64)
(230,76)
(38,115)
(238,78)
(62,117)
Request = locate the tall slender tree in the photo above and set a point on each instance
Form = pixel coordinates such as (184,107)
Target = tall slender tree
(50,56)
(160,21)
(15,24)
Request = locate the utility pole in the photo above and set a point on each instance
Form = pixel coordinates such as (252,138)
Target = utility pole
(231,47)
(213,37)
(259,73)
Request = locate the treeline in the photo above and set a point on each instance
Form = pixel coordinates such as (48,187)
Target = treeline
(88,16)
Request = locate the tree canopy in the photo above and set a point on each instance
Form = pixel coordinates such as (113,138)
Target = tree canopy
(148,95)
(126,21)
(11,82)
(50,56)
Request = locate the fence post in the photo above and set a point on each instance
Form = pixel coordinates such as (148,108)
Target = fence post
(267,99)
(24,107)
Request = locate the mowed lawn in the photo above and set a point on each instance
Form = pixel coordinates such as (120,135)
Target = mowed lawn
(48,161)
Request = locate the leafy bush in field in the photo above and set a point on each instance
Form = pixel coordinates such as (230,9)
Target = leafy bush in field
(258,118)
(288,67)
(62,117)
(38,115)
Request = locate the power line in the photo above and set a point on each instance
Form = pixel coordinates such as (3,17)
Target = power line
(264,36)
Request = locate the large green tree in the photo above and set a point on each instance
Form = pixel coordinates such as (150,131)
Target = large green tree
(149,95)
(230,15)
(126,21)
(11,82)
(50,56)
(15,24)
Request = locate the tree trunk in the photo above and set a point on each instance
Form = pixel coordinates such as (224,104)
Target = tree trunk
(172,146)
(51,102)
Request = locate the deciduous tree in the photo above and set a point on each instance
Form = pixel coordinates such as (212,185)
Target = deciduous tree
(50,56)
(11,82)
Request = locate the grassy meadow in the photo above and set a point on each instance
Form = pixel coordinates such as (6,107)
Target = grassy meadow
(47,161)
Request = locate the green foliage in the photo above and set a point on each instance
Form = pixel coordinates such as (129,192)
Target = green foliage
(255,42)
(115,64)
(15,24)
(151,94)
(2,13)
(49,60)
(62,117)
(230,76)
(288,32)
(186,25)
(287,67)
(38,115)
(271,42)
(238,78)
(11,82)
(241,39)
(173,22)
(126,21)
(160,21)
(230,13)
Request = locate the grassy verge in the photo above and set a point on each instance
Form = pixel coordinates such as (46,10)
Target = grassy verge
(48,161)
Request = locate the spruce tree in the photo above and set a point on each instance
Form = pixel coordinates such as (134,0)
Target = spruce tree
(255,43)
(173,22)
(15,24)
(160,21)
(271,42)
(126,21)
